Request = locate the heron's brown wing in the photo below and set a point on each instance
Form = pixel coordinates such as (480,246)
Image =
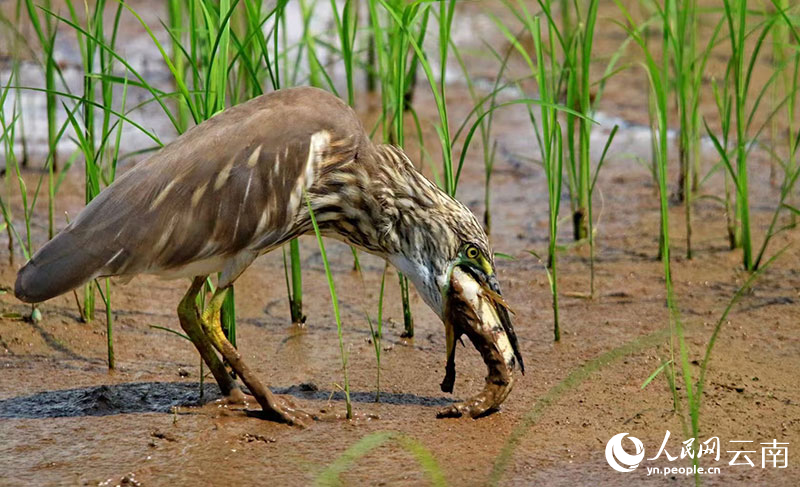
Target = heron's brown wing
(231,184)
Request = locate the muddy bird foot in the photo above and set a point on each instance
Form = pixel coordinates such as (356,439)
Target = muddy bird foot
(238,398)
(474,408)
(283,410)
(486,402)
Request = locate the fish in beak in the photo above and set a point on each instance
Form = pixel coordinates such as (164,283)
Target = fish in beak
(475,307)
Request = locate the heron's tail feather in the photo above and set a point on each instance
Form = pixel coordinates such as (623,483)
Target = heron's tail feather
(62,264)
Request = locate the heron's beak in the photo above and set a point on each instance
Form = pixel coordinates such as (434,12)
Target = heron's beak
(475,307)
(492,288)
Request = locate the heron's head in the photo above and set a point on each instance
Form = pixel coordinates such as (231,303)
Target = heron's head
(438,240)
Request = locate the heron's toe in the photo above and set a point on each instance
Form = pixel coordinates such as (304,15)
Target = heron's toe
(239,398)
(475,407)
(287,412)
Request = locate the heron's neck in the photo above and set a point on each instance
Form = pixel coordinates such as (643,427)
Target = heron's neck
(380,203)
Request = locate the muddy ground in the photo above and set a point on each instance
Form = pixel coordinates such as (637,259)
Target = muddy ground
(66,420)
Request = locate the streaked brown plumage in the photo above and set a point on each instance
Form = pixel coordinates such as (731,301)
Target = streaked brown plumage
(234,187)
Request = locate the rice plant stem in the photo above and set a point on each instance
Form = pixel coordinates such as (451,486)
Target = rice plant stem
(335,304)
(112,363)
(296,297)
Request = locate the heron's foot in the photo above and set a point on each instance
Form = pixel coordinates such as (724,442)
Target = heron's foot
(474,408)
(283,410)
(487,402)
(238,398)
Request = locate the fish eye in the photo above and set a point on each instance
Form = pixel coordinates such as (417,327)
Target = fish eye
(472,252)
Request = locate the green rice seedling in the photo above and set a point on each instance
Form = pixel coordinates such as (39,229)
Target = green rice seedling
(659,81)
(8,140)
(573,380)
(16,48)
(315,68)
(700,384)
(15,39)
(733,107)
(688,67)
(792,86)
(779,44)
(394,31)
(790,164)
(549,133)
(375,328)
(177,19)
(46,31)
(335,303)
(378,334)
(571,56)
(346,27)
(790,42)
(424,457)
(106,297)
(575,42)
(577,47)
(296,289)
(486,117)
(408,318)
(683,53)
(659,77)
(731,96)
(684,46)
(786,59)
(407,37)
(546,127)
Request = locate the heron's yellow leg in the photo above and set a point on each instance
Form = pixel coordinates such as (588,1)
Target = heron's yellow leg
(189,316)
(275,407)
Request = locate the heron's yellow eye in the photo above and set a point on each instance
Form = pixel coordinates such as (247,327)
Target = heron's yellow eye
(472,252)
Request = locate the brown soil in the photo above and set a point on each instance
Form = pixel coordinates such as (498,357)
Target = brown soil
(66,420)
